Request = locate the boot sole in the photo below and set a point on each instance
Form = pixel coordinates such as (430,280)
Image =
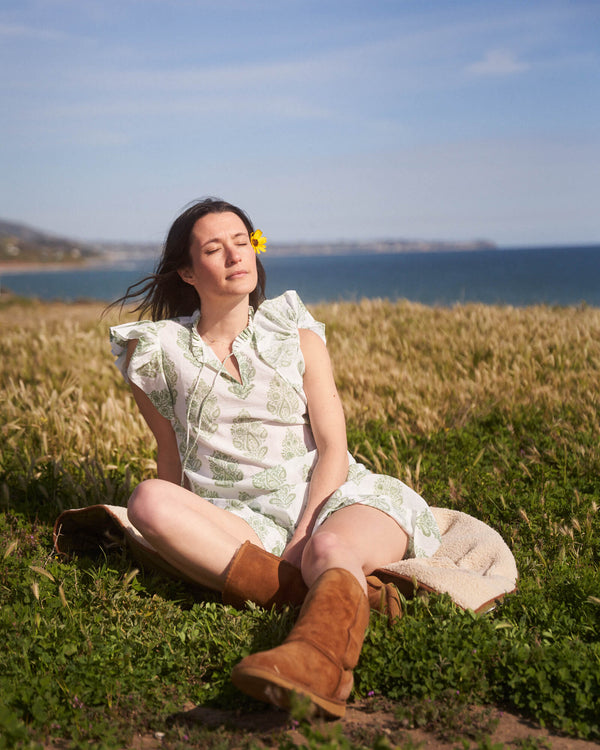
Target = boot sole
(275,689)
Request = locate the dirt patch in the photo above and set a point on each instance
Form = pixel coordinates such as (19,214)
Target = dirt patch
(364,723)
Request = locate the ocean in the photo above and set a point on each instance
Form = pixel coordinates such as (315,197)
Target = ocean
(519,277)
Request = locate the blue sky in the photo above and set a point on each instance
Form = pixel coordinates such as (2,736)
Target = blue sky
(324,119)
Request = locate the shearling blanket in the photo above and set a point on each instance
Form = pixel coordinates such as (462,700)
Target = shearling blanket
(473,564)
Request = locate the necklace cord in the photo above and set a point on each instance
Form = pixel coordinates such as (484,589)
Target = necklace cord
(189,448)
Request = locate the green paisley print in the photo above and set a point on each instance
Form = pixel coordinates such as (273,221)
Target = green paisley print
(282,400)
(225,470)
(249,435)
(245,442)
(292,446)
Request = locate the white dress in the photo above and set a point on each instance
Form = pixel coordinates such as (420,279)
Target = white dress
(248,447)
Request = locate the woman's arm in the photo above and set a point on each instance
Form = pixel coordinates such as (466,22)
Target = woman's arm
(329,429)
(167,457)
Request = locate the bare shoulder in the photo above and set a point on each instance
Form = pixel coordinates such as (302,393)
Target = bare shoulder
(317,363)
(312,345)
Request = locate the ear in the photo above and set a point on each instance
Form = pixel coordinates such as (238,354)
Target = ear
(186,274)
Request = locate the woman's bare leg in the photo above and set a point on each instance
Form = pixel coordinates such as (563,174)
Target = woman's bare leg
(318,656)
(359,539)
(193,535)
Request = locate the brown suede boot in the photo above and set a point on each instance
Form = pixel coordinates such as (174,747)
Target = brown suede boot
(258,576)
(319,654)
(384,598)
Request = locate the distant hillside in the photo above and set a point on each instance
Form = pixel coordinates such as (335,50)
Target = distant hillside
(378,246)
(23,244)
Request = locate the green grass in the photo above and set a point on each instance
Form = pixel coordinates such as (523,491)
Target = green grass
(492,411)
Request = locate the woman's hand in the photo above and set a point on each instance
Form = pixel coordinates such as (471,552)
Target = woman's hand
(295,548)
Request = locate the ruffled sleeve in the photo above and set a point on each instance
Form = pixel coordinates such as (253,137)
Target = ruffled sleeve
(276,323)
(150,367)
(285,314)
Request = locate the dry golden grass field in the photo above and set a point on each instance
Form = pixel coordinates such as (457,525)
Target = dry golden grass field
(488,409)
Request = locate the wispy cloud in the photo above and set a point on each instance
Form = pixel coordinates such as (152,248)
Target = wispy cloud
(498,62)
(22,31)
(377,105)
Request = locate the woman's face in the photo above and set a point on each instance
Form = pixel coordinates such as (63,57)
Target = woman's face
(222,258)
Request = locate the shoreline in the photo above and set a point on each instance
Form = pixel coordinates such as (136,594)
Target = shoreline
(10,269)
(568,277)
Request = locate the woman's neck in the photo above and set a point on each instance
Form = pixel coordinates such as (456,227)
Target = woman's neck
(223,325)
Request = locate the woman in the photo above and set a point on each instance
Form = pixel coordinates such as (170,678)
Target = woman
(256,495)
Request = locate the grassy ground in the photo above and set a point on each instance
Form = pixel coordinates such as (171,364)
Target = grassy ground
(490,410)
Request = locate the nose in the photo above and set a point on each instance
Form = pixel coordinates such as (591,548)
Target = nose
(234,254)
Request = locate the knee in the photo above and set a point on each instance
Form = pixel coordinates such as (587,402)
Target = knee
(145,507)
(323,547)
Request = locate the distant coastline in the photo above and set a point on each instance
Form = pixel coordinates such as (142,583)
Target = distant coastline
(113,254)
(563,275)
(379,247)
(112,258)
(23,248)
(7,268)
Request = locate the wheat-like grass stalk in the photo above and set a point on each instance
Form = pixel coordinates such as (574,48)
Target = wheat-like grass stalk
(413,368)
(421,368)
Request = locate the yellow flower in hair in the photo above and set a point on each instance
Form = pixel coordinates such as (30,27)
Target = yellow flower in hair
(259,241)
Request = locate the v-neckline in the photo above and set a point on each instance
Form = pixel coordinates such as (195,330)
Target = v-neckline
(210,354)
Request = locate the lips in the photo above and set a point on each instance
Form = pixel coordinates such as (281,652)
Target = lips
(237,275)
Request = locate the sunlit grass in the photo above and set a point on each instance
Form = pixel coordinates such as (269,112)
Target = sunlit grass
(413,368)
(491,410)
(420,368)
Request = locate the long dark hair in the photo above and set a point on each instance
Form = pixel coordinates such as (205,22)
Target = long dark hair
(164,294)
